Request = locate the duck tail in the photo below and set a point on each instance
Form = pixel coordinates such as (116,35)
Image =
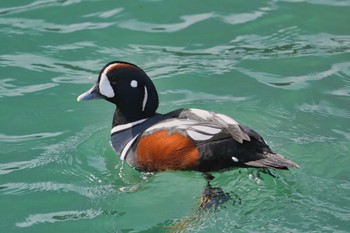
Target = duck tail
(272,160)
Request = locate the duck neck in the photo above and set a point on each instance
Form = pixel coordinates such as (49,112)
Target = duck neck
(121,118)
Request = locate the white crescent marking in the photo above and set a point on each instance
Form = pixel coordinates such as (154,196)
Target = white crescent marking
(145,97)
(105,86)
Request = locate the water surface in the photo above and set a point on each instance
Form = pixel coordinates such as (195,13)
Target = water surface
(279,66)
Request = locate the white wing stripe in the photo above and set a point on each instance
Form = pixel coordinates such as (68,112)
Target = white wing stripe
(206,129)
(201,113)
(198,136)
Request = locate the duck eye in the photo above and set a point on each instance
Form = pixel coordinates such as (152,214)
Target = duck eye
(133,83)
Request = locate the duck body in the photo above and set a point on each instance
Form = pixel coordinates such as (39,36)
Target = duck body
(184,139)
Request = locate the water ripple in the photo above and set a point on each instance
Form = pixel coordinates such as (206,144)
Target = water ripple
(35,5)
(172,60)
(70,46)
(288,43)
(325,108)
(106,14)
(59,152)
(191,97)
(7,89)
(294,82)
(73,71)
(187,21)
(61,216)
(243,17)
(43,26)
(89,192)
(321,2)
(28,137)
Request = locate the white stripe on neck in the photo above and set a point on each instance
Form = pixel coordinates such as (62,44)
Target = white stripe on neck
(126,126)
(127,147)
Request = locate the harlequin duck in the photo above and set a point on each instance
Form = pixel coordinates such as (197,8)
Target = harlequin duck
(184,139)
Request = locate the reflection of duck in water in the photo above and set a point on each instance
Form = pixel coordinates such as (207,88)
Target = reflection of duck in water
(184,139)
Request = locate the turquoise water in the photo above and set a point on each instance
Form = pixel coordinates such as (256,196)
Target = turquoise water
(279,66)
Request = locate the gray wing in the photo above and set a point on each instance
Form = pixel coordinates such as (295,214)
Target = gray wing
(216,119)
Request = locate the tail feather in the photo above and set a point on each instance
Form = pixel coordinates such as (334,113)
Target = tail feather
(275,161)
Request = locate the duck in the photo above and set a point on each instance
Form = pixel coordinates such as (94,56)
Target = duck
(186,139)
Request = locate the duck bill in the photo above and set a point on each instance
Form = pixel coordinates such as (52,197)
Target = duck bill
(91,94)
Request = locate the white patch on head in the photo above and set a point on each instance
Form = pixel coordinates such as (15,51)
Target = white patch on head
(105,86)
(133,83)
(201,113)
(145,97)
(226,119)
(198,136)
(234,159)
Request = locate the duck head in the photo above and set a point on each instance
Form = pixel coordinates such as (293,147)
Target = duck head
(128,87)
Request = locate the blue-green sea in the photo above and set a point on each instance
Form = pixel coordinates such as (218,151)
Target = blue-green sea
(281,67)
